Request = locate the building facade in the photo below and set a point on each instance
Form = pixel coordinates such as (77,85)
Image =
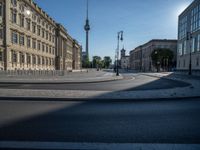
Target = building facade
(140,57)
(136,58)
(28,37)
(189,38)
(124,61)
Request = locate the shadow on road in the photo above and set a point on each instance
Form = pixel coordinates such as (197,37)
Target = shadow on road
(164,121)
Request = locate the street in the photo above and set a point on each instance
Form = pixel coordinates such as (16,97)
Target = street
(164,121)
(131,82)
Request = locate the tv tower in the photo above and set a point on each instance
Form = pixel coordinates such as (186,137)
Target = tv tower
(87,29)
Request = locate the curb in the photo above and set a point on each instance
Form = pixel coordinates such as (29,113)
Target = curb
(18,98)
(62,82)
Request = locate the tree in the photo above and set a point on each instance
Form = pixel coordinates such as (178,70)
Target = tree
(162,58)
(96,61)
(107,61)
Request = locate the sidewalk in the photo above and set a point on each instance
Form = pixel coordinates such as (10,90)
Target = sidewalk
(191,91)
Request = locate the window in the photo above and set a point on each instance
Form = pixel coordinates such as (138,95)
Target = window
(34,27)
(34,60)
(193,45)
(43,47)
(43,33)
(21,17)
(21,7)
(38,20)
(14,38)
(22,58)
(34,17)
(53,51)
(47,48)
(47,35)
(28,24)
(39,60)
(28,42)
(182,27)
(180,49)
(43,62)
(185,47)
(14,2)
(1,34)
(1,9)
(50,49)
(53,39)
(39,46)
(28,59)
(195,19)
(21,39)
(47,61)
(198,43)
(14,16)
(14,57)
(34,44)
(1,56)
(50,37)
(38,30)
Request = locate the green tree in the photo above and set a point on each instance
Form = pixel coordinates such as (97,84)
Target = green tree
(96,61)
(162,58)
(107,61)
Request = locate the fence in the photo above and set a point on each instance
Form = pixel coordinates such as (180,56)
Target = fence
(35,72)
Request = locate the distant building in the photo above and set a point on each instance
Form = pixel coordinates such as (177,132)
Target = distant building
(68,51)
(189,38)
(124,61)
(140,57)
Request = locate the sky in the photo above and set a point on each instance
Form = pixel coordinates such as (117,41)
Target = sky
(141,21)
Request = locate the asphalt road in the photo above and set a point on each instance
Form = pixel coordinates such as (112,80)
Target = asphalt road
(131,82)
(170,121)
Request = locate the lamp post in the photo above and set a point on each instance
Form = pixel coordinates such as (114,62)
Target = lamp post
(119,38)
(189,37)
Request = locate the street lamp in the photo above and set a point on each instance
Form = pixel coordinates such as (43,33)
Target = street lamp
(119,38)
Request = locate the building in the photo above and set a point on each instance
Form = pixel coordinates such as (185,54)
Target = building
(124,61)
(28,38)
(189,38)
(136,58)
(77,56)
(140,57)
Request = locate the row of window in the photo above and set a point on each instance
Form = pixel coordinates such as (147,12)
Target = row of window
(182,27)
(193,46)
(36,29)
(37,45)
(31,59)
(183,64)
(35,17)
(195,18)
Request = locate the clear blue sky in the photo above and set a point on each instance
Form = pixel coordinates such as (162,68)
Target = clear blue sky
(141,20)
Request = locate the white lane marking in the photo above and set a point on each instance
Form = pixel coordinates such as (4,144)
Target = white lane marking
(89,146)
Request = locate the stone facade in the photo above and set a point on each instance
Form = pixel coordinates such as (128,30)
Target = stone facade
(189,38)
(140,57)
(28,37)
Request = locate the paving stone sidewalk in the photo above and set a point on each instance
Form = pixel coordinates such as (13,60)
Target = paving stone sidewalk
(185,92)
